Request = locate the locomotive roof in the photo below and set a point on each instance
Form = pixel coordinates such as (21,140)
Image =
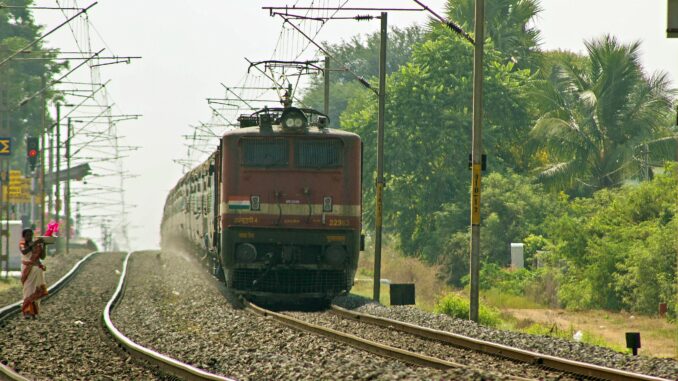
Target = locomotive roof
(277,130)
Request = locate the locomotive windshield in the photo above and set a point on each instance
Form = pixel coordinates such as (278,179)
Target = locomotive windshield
(325,153)
(265,152)
(308,153)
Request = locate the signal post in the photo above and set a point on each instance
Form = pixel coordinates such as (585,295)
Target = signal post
(32,153)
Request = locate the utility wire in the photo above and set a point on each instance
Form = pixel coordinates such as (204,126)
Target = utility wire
(456,28)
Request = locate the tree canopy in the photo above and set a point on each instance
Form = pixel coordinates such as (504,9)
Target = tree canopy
(507,24)
(599,115)
(429,121)
(21,78)
(361,55)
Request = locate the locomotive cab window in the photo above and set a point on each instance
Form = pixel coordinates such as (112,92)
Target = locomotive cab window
(317,154)
(264,152)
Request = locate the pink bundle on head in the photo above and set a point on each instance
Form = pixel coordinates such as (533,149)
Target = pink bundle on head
(52,228)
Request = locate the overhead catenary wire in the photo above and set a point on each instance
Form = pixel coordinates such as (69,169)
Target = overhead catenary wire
(103,129)
(359,78)
(36,41)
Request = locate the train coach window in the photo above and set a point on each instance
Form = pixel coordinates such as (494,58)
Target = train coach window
(265,152)
(326,153)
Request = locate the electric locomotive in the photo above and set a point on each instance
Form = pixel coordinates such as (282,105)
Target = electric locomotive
(276,210)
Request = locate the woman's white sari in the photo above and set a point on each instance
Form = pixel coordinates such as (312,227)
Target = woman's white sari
(33,279)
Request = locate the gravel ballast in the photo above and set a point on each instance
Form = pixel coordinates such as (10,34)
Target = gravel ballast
(67,341)
(173,306)
(427,347)
(665,368)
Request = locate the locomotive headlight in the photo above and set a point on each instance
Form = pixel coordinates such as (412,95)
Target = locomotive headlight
(246,252)
(335,255)
(293,117)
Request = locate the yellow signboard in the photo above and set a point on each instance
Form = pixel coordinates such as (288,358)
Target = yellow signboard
(19,188)
(5,146)
(17,195)
(475,195)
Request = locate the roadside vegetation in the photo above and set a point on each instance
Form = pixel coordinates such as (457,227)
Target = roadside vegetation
(581,165)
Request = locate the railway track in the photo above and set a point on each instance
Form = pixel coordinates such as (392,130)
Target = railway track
(150,359)
(364,344)
(15,308)
(165,363)
(223,339)
(570,368)
(551,362)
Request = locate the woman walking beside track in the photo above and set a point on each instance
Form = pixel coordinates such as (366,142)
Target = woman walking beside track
(32,273)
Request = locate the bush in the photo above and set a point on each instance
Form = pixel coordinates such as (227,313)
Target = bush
(455,306)
(510,281)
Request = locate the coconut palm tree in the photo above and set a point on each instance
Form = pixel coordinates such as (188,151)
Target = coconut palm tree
(507,23)
(601,117)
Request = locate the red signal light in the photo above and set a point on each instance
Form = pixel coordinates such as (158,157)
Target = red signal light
(32,151)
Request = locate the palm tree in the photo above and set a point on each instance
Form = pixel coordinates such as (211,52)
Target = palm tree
(601,116)
(507,23)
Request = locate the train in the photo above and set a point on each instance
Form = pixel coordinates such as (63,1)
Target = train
(276,210)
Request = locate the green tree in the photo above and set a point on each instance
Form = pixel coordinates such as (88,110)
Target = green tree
(508,23)
(361,55)
(619,246)
(598,118)
(514,208)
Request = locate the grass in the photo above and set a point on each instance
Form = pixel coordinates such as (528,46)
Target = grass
(399,269)
(364,288)
(6,284)
(498,299)
(568,334)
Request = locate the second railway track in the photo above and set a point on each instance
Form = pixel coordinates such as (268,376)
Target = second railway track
(402,351)
(67,342)
(439,349)
(576,368)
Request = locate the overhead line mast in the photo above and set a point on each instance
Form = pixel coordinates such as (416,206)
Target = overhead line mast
(477,156)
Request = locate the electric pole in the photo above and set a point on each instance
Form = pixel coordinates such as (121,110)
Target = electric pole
(327,86)
(43,157)
(68,184)
(380,158)
(57,204)
(476,156)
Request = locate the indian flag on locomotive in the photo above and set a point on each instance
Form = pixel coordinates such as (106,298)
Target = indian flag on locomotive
(238,202)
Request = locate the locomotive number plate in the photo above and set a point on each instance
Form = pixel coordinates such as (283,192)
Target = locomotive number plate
(339,222)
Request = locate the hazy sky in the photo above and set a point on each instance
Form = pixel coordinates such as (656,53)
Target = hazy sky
(190,47)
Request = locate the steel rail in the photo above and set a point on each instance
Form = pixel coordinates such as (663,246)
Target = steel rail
(360,343)
(548,361)
(7,373)
(165,363)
